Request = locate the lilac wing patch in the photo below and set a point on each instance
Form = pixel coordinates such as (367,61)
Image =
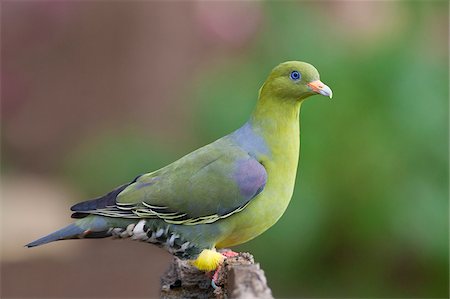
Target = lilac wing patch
(250,141)
(250,177)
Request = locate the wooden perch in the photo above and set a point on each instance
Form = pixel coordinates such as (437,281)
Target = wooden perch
(239,278)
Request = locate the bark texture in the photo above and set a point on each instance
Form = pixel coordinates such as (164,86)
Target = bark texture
(239,277)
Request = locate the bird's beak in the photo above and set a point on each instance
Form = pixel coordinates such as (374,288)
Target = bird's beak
(318,87)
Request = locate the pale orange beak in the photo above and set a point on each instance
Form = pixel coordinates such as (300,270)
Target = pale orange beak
(320,88)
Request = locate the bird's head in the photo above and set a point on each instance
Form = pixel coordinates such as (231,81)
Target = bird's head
(294,80)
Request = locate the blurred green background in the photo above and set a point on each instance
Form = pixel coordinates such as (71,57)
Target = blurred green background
(94,93)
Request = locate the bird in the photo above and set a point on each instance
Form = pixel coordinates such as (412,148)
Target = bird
(218,196)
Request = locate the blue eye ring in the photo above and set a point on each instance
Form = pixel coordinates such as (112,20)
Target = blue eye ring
(295,75)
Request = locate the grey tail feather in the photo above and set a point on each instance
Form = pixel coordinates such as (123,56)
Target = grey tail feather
(68,232)
(72,231)
(89,227)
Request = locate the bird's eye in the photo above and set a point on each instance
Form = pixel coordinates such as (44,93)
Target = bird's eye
(295,75)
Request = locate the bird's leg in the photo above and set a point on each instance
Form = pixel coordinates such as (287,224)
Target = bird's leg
(215,277)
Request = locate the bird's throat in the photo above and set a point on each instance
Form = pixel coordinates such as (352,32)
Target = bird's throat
(277,118)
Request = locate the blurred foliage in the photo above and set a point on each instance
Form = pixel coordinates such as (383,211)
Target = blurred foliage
(369,217)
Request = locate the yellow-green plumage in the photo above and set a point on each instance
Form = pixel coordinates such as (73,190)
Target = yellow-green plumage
(276,119)
(282,137)
(220,195)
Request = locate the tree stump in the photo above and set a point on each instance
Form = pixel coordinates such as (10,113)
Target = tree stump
(239,278)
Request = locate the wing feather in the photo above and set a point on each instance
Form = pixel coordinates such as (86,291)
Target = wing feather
(209,184)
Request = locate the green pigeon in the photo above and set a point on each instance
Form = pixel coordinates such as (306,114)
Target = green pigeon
(223,194)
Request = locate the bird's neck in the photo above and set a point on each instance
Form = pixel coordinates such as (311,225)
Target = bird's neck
(277,119)
(277,122)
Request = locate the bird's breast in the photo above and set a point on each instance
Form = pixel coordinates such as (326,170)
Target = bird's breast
(266,208)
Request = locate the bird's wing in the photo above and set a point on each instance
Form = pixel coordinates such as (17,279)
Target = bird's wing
(212,182)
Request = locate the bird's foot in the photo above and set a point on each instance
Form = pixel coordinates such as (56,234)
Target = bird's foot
(229,253)
(215,277)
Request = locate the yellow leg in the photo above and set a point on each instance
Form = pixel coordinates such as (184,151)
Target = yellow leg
(208,260)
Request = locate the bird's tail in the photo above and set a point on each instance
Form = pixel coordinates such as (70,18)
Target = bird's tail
(90,227)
